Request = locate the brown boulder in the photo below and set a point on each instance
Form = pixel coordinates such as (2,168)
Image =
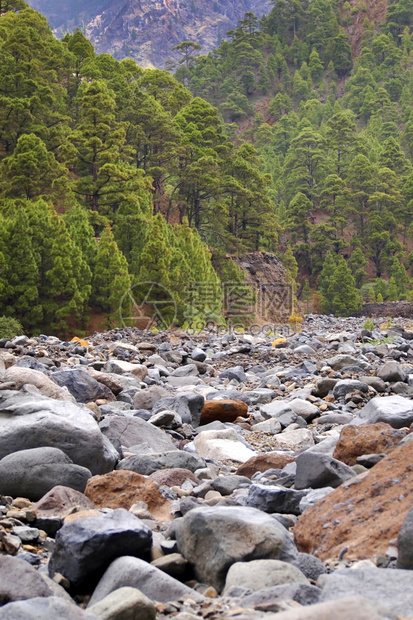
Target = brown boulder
(366,439)
(123,488)
(363,515)
(262,462)
(223,410)
(173,477)
(60,500)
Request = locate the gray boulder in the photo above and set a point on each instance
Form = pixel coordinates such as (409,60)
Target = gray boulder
(213,539)
(236,372)
(275,498)
(302,593)
(146,399)
(275,409)
(147,464)
(392,372)
(187,405)
(338,362)
(125,604)
(132,431)
(259,574)
(32,473)
(390,588)
(85,548)
(351,608)
(19,581)
(32,421)
(132,572)
(51,608)
(394,410)
(346,386)
(405,543)
(316,470)
(22,376)
(82,386)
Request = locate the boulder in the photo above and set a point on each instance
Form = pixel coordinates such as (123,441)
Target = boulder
(316,470)
(82,386)
(51,608)
(392,372)
(187,405)
(260,574)
(60,501)
(343,609)
(124,604)
(223,410)
(132,572)
(274,498)
(235,373)
(21,376)
(119,367)
(262,462)
(32,473)
(213,539)
(338,362)
(356,441)
(222,445)
(346,386)
(122,489)
(111,381)
(390,588)
(380,498)
(146,464)
(31,421)
(19,581)
(132,431)
(85,548)
(394,410)
(146,399)
(294,440)
(173,477)
(405,543)
(304,409)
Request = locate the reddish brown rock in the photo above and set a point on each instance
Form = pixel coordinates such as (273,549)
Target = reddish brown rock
(173,477)
(60,500)
(366,439)
(262,462)
(363,515)
(122,489)
(223,410)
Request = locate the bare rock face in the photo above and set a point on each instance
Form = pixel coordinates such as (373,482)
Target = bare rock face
(147,30)
(363,515)
(369,439)
(122,489)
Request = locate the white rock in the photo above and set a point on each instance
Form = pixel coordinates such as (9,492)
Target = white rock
(222,445)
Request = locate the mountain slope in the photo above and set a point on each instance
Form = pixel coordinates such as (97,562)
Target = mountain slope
(147,30)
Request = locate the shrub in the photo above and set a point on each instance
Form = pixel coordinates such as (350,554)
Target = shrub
(10,327)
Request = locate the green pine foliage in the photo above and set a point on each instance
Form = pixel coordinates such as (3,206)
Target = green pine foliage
(286,136)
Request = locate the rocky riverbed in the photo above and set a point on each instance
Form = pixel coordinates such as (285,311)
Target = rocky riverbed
(183,476)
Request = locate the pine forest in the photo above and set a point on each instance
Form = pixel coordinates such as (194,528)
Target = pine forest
(294,136)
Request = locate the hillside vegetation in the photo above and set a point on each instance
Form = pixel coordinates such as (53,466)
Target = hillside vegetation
(96,157)
(325,95)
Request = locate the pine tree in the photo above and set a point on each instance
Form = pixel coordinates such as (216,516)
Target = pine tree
(111,281)
(19,295)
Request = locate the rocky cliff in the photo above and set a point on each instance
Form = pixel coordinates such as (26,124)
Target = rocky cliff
(147,30)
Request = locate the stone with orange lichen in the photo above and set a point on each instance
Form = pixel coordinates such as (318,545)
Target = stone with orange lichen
(376,438)
(361,517)
(123,488)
